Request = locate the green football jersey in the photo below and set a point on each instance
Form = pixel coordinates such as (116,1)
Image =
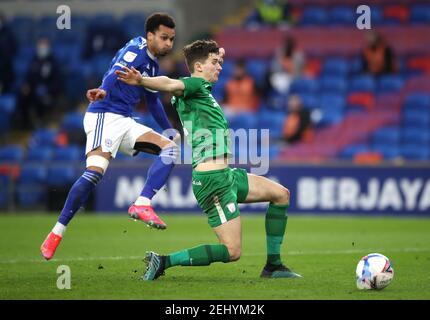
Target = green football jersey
(203,120)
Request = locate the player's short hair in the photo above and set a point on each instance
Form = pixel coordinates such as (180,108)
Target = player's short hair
(199,51)
(155,20)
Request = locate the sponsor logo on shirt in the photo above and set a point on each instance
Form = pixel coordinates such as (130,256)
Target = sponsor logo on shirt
(130,56)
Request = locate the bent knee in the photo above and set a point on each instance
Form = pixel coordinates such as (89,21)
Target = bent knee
(283,196)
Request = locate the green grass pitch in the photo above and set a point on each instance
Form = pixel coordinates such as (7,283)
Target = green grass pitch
(105,254)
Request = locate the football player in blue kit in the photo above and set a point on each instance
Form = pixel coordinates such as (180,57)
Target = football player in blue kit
(110,128)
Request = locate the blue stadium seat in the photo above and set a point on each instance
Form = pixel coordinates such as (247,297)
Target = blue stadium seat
(43,137)
(332,101)
(272,120)
(333,84)
(29,195)
(69,153)
(342,15)
(387,135)
(76,85)
(314,16)
(32,173)
(417,101)
(257,68)
(5,182)
(310,101)
(23,28)
(303,86)
(376,15)
(351,150)
(133,24)
(362,83)
(415,135)
(61,175)
(417,117)
(420,14)
(43,153)
(335,66)
(102,20)
(390,83)
(100,64)
(11,153)
(245,120)
(415,151)
(7,108)
(227,68)
(73,121)
(389,152)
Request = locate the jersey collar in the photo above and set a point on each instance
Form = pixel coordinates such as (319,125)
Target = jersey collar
(150,54)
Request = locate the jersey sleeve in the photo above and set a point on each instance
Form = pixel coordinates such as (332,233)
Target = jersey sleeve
(192,86)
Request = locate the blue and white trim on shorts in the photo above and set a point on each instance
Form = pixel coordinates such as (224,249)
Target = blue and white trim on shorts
(98,130)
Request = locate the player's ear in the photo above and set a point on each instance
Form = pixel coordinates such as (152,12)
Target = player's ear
(198,66)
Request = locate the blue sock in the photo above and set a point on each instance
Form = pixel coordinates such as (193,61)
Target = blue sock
(78,195)
(159,171)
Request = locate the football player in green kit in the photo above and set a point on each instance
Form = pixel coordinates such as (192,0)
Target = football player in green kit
(217,187)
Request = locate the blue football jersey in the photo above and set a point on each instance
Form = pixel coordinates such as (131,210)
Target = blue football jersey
(121,97)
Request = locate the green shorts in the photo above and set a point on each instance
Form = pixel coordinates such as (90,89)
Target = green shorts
(219,191)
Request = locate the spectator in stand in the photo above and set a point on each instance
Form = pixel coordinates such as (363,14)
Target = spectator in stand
(8,49)
(287,65)
(271,12)
(297,125)
(39,94)
(241,94)
(377,57)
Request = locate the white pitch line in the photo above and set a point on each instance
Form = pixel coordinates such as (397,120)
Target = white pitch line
(288,253)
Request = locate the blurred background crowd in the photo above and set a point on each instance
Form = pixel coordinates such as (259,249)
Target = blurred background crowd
(326,90)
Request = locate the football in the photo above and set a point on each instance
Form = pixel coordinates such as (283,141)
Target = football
(374,271)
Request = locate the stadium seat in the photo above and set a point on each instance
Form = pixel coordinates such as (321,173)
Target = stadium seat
(257,68)
(350,151)
(32,173)
(69,153)
(342,15)
(310,101)
(335,66)
(314,16)
(303,86)
(5,181)
(245,120)
(416,135)
(417,117)
(396,14)
(390,83)
(386,135)
(31,195)
(133,24)
(417,101)
(73,121)
(39,154)
(364,100)
(11,153)
(362,83)
(414,151)
(23,28)
(333,84)
(420,14)
(272,120)
(332,101)
(61,175)
(43,137)
(389,152)
(7,108)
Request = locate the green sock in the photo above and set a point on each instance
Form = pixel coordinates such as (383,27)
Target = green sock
(276,223)
(202,255)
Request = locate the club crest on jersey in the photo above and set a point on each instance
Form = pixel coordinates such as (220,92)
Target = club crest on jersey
(130,56)
(108,142)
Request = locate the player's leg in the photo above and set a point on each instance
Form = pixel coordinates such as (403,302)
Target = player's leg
(261,189)
(214,191)
(167,150)
(97,163)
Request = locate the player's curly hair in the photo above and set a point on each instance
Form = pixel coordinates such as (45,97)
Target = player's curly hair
(199,51)
(155,20)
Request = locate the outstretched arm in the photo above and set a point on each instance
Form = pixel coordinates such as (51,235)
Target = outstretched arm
(162,83)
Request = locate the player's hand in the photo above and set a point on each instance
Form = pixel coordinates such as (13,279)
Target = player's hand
(96,94)
(129,76)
